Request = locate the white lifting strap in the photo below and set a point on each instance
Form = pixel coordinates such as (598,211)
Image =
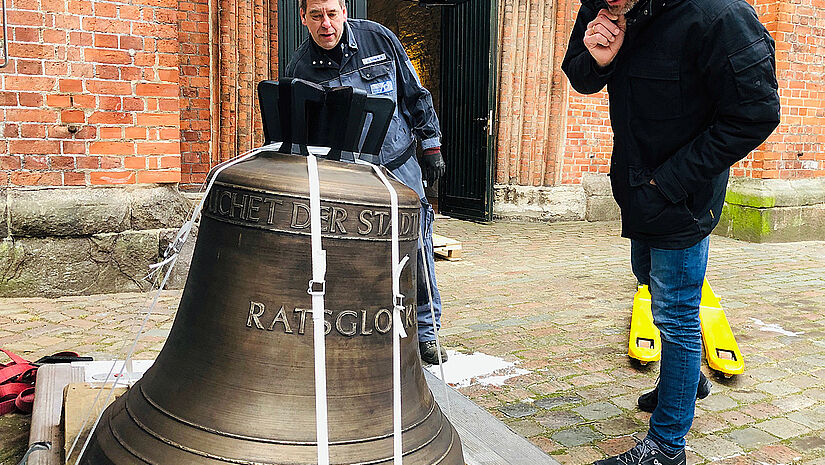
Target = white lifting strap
(317,288)
(397,323)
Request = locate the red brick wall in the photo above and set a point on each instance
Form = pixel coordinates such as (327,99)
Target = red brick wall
(195,89)
(579,140)
(526,68)
(108,71)
(797,148)
(248,54)
(151,93)
(547,133)
(101,92)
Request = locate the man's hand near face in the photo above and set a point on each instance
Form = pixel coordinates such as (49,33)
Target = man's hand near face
(604,37)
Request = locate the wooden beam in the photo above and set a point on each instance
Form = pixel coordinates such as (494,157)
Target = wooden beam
(48,409)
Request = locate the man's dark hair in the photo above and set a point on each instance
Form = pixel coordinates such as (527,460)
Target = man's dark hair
(303,4)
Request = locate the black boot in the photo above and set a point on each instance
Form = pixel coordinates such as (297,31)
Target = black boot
(429,352)
(649,400)
(645,452)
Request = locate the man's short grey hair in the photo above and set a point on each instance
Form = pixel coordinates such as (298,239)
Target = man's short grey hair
(303,4)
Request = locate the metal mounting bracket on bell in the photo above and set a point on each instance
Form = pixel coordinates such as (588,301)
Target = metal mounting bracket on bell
(337,117)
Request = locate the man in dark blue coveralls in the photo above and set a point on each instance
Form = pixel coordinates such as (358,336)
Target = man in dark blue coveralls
(366,55)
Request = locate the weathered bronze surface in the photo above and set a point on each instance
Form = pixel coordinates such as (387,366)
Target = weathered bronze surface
(234,382)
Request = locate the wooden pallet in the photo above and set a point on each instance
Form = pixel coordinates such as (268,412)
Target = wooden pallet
(484,439)
(446,248)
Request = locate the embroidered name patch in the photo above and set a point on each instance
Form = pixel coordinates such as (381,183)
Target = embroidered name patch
(381,87)
(374,59)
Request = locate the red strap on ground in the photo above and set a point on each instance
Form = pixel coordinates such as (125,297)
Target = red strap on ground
(25,401)
(13,371)
(17,380)
(16,384)
(7,406)
(65,354)
(12,389)
(20,403)
(15,358)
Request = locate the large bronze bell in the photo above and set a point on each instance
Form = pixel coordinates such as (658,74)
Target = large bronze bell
(234,382)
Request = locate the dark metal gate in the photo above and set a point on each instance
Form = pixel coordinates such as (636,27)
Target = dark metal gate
(291,32)
(468,91)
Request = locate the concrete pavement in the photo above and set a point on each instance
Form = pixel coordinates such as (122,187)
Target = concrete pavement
(556,298)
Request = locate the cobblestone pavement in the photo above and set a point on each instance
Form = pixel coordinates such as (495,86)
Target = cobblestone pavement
(556,298)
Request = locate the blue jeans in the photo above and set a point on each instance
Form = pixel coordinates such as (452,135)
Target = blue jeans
(675,279)
(410,174)
(426,330)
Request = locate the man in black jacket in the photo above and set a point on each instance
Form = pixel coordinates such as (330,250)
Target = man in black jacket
(692,88)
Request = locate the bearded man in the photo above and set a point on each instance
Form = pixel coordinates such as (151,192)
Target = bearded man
(692,89)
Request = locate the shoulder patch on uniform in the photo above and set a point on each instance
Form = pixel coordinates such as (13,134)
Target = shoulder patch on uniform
(383,87)
(374,59)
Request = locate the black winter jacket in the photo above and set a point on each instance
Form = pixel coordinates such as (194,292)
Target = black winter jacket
(692,91)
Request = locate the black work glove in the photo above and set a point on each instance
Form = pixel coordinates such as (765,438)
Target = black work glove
(434,166)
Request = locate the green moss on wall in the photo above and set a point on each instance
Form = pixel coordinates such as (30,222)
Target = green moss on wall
(746,223)
(750,200)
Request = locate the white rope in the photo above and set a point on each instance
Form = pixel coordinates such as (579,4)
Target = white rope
(317,288)
(436,329)
(170,258)
(397,324)
(125,361)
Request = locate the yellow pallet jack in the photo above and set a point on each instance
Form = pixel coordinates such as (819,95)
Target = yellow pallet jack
(645,341)
(721,350)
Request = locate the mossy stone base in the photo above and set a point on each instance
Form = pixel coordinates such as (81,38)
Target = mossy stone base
(774,210)
(76,241)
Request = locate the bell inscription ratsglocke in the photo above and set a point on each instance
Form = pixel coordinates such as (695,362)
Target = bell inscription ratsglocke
(234,382)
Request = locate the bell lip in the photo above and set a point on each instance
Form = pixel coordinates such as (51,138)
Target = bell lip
(453,449)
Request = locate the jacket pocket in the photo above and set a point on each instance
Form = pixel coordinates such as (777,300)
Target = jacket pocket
(371,72)
(753,71)
(378,78)
(655,88)
(649,212)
